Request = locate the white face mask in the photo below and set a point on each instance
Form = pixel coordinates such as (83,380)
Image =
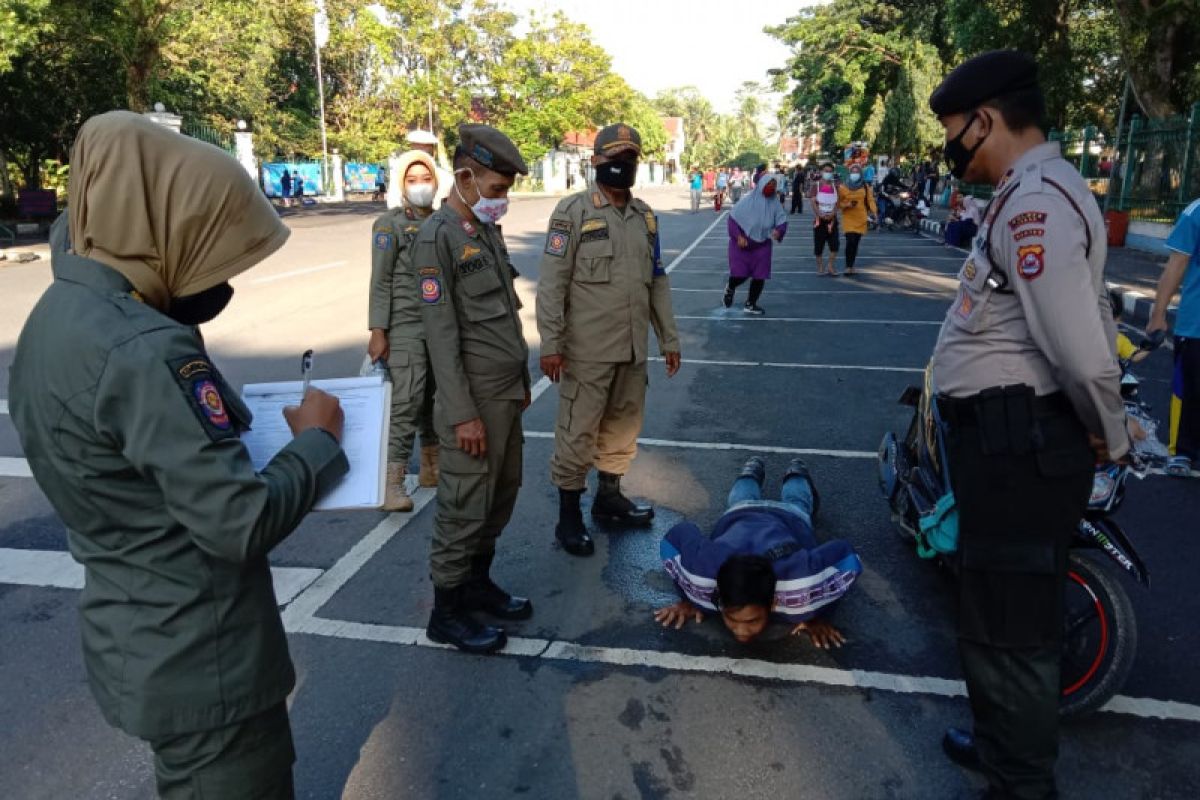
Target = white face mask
(826,176)
(485,209)
(420,195)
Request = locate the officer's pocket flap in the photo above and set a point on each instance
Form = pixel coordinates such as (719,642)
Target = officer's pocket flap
(999,556)
(398,357)
(480,282)
(568,389)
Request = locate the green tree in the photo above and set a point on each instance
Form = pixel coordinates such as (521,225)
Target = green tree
(1160,47)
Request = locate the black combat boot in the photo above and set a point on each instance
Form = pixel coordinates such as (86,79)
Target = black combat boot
(450,623)
(613,507)
(570,531)
(482,594)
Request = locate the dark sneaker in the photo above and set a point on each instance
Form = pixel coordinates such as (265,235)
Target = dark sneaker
(727,298)
(753,309)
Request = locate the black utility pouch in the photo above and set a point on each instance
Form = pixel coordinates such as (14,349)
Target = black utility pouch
(1007,425)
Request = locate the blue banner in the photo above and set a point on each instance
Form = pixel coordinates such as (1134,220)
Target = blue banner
(363,177)
(309,170)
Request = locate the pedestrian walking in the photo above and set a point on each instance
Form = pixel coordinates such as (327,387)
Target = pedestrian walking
(478,354)
(134,436)
(285,187)
(856,201)
(737,184)
(1028,385)
(754,225)
(722,187)
(697,189)
(824,199)
(397,331)
(797,187)
(298,187)
(1183,271)
(601,288)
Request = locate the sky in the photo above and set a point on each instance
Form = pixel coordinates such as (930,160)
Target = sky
(714,45)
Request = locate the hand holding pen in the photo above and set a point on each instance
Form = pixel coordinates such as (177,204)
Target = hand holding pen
(317,409)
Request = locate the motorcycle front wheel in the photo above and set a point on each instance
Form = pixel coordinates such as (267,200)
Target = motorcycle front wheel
(1099,635)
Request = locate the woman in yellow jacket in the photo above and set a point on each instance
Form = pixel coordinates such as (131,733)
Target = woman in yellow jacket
(857,202)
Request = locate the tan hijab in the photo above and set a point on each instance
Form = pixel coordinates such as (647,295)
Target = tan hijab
(406,160)
(174,215)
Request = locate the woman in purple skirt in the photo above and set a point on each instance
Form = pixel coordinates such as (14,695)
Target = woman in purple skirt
(755,223)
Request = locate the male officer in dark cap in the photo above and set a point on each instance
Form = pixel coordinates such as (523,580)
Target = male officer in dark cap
(602,286)
(478,354)
(1028,385)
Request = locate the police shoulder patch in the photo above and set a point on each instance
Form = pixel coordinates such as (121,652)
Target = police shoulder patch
(383,240)
(1027,233)
(1031,261)
(200,384)
(431,290)
(556,243)
(1027,218)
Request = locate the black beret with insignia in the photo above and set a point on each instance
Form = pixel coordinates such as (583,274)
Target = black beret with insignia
(492,149)
(616,138)
(985,76)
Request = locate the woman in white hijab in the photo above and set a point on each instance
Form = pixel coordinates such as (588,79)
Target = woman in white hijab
(755,224)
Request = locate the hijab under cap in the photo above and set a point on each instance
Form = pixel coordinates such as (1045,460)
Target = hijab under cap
(174,215)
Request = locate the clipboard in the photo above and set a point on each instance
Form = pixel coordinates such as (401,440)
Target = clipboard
(366,403)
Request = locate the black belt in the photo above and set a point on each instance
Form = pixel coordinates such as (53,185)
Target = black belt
(958,411)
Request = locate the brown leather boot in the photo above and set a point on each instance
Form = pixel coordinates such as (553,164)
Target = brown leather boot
(429,467)
(396,496)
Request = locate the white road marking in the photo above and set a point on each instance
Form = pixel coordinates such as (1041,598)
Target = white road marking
(883,291)
(790,365)
(861,257)
(56,569)
(3,406)
(297,272)
(758,448)
(740,317)
(14,468)
(679,258)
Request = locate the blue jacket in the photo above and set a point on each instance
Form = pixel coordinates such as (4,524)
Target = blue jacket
(809,575)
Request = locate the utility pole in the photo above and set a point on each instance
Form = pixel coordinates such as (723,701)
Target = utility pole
(321,38)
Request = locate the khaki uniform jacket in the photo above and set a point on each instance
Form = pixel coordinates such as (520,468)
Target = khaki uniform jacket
(134,437)
(395,296)
(602,283)
(1038,314)
(470,308)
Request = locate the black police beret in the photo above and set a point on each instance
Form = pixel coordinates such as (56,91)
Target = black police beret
(982,78)
(616,138)
(492,149)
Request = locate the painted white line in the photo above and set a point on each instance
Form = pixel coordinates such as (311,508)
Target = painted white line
(883,291)
(296,272)
(716,665)
(3,406)
(14,468)
(744,318)
(679,258)
(790,365)
(56,569)
(757,448)
(861,257)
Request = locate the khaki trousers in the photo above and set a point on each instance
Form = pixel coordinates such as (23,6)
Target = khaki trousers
(600,411)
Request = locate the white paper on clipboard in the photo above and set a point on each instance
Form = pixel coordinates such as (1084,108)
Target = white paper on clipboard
(366,402)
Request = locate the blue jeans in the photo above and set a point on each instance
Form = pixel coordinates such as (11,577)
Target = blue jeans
(796,496)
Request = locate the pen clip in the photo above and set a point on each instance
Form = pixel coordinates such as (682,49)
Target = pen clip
(306,362)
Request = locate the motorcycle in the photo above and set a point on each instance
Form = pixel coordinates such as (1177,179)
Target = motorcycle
(1099,626)
(902,211)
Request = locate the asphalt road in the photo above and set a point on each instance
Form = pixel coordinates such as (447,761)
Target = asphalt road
(593,700)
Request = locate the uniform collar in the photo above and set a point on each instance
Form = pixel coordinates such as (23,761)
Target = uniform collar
(1035,155)
(462,223)
(599,200)
(77,269)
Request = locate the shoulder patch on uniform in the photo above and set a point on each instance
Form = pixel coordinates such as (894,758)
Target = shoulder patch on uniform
(199,382)
(1026,233)
(556,243)
(431,290)
(1031,261)
(563,225)
(651,222)
(383,241)
(1027,218)
(429,271)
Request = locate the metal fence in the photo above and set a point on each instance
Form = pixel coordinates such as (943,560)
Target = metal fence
(1091,151)
(1157,167)
(207,133)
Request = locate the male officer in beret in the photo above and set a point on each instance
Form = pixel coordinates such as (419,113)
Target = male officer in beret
(602,285)
(1029,386)
(478,354)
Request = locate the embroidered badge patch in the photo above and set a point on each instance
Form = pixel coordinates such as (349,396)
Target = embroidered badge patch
(556,243)
(429,271)
(467,227)
(1031,261)
(383,241)
(201,386)
(431,290)
(969,270)
(965,306)
(651,223)
(593,230)
(1029,233)
(1027,218)
(471,267)
(206,394)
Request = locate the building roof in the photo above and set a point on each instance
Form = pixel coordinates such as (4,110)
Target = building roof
(789,144)
(581,139)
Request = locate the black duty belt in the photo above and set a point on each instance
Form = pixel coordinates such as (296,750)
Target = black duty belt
(958,411)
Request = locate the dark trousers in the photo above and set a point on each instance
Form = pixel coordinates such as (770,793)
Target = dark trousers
(797,202)
(1022,488)
(756,288)
(248,760)
(852,240)
(1187,367)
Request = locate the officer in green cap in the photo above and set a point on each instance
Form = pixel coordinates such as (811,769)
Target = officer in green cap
(602,287)
(479,359)
(1028,385)
(133,434)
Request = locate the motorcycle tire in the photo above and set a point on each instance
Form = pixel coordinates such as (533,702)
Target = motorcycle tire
(1099,635)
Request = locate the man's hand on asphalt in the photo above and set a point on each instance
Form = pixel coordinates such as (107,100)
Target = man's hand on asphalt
(317,410)
(378,348)
(820,633)
(673,362)
(552,367)
(471,437)
(678,614)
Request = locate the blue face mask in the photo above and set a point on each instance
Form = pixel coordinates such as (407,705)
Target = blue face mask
(855,178)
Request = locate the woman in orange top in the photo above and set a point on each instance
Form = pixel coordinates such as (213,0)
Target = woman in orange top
(856,201)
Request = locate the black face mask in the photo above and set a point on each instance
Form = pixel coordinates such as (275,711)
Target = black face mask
(958,156)
(199,308)
(617,174)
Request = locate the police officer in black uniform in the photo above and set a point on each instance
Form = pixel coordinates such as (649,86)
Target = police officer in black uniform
(1028,385)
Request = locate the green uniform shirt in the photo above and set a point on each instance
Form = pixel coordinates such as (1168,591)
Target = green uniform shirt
(472,327)
(395,299)
(602,284)
(133,436)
